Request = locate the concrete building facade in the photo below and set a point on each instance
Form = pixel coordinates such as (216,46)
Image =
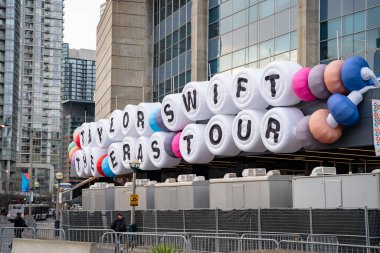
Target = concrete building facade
(123,56)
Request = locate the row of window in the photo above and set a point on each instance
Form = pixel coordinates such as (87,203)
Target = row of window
(257,10)
(165,8)
(173,85)
(350,24)
(351,44)
(331,9)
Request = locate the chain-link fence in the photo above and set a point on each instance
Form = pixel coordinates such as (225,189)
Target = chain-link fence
(354,226)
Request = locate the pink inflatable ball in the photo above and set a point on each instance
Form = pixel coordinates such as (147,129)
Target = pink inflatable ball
(316,82)
(333,78)
(175,145)
(301,85)
(322,131)
(304,136)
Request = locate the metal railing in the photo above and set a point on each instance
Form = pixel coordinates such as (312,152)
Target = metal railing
(50,234)
(8,233)
(110,241)
(188,235)
(275,236)
(230,244)
(86,235)
(129,242)
(303,246)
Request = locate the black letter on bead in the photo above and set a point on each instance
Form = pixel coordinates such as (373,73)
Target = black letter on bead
(156,150)
(89,136)
(111,126)
(140,119)
(82,134)
(92,163)
(190,100)
(100,131)
(113,158)
(248,133)
(126,152)
(211,135)
(84,160)
(272,79)
(78,160)
(169,113)
(273,127)
(215,93)
(139,154)
(240,87)
(188,139)
(125,120)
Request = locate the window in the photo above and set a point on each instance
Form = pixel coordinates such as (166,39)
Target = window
(373,18)
(266,49)
(266,8)
(329,9)
(373,39)
(329,29)
(226,43)
(282,44)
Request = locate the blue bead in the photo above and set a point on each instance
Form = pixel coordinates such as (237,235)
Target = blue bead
(106,168)
(350,73)
(343,110)
(155,121)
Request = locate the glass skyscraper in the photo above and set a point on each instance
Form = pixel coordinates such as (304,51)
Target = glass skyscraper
(356,25)
(39,123)
(172,47)
(9,80)
(79,74)
(251,33)
(241,34)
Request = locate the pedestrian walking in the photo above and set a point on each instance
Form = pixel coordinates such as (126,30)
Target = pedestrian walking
(119,224)
(19,224)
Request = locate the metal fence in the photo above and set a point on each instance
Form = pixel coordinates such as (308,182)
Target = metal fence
(109,241)
(142,242)
(7,234)
(87,235)
(349,226)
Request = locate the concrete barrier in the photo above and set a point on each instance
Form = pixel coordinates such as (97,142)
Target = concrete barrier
(52,246)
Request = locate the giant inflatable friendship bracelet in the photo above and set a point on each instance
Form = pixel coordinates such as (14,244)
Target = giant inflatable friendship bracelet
(252,111)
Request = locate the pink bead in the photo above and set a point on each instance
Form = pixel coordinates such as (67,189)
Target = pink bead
(175,145)
(301,85)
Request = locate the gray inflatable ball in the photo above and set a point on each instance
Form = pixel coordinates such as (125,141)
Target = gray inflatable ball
(317,83)
(304,136)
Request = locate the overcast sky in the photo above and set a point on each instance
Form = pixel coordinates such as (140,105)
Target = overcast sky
(81,18)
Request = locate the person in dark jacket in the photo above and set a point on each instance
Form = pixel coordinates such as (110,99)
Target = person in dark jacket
(19,224)
(119,224)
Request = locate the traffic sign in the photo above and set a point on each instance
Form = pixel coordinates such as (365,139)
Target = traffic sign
(134,200)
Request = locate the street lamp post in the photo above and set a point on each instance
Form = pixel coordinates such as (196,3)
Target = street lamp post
(135,165)
(57,223)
